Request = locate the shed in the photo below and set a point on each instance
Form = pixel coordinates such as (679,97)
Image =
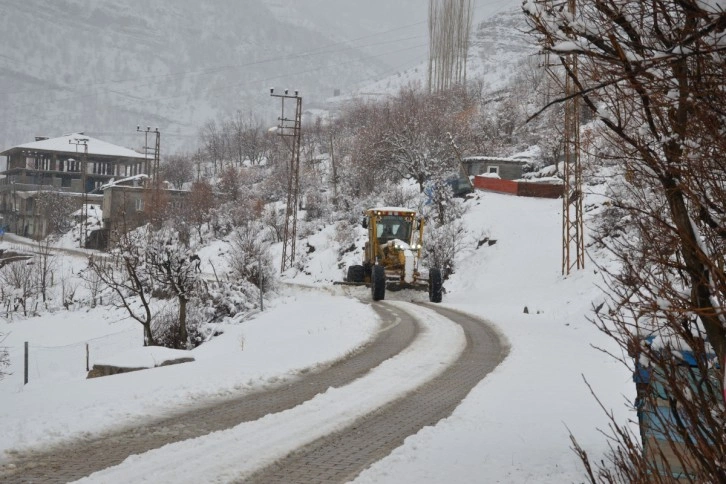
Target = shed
(506,168)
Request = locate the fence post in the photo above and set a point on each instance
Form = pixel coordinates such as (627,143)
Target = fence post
(87,358)
(26,365)
(259,273)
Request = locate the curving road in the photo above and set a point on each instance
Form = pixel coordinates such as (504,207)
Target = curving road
(340,457)
(334,458)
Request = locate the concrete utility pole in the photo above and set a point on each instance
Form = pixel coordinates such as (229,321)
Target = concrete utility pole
(83,236)
(573,244)
(154,182)
(290,128)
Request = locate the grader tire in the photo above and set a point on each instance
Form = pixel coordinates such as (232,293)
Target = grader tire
(378,283)
(435,285)
(356,273)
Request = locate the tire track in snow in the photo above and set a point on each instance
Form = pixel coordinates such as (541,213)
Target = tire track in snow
(242,450)
(340,457)
(73,460)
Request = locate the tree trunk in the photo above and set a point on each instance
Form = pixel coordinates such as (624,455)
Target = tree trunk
(183,334)
(697,270)
(148,337)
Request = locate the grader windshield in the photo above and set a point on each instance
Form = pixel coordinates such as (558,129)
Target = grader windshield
(391,227)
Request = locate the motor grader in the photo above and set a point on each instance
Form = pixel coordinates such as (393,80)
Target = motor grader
(392,254)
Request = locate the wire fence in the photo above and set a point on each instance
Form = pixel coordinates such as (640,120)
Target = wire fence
(53,363)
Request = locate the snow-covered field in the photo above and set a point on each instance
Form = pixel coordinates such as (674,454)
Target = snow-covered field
(513,427)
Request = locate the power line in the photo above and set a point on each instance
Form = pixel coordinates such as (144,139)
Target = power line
(228,86)
(214,69)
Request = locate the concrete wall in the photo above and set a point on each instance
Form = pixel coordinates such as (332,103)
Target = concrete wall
(521,189)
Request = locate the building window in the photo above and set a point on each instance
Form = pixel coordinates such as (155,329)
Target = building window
(139,205)
(493,170)
(66,181)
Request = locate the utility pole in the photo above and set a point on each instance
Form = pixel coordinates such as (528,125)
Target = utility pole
(154,182)
(573,244)
(290,128)
(83,236)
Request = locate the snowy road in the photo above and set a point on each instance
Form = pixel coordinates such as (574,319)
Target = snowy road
(348,416)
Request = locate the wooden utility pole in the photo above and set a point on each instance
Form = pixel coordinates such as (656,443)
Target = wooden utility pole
(290,128)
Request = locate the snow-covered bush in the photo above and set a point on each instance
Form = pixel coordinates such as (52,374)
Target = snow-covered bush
(442,244)
(249,257)
(345,235)
(223,299)
(17,287)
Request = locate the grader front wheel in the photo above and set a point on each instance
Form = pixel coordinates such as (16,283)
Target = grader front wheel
(435,285)
(378,283)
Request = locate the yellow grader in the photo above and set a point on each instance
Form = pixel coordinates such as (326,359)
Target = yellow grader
(392,255)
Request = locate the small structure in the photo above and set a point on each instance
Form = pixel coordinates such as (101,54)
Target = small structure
(56,165)
(125,207)
(505,168)
(659,417)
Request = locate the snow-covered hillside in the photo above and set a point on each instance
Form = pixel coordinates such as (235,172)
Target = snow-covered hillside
(499,43)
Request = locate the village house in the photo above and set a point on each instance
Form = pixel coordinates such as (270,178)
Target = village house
(73,165)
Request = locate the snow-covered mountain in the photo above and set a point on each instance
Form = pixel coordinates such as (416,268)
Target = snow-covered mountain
(499,44)
(105,66)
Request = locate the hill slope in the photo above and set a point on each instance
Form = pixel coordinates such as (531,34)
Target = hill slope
(106,66)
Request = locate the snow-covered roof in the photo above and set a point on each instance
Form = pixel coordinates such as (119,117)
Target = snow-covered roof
(123,181)
(66,144)
(495,159)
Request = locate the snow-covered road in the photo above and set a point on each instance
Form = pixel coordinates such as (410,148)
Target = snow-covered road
(250,446)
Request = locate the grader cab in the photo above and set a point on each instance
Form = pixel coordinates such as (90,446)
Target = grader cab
(392,254)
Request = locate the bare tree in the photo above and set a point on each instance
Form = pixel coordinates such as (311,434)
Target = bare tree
(69,286)
(449,30)
(129,279)
(157,203)
(213,143)
(57,208)
(413,137)
(4,357)
(230,183)
(246,139)
(198,205)
(178,169)
(92,282)
(653,73)
(45,263)
(174,267)
(18,286)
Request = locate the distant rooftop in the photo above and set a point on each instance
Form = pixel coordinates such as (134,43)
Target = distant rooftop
(497,159)
(66,144)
